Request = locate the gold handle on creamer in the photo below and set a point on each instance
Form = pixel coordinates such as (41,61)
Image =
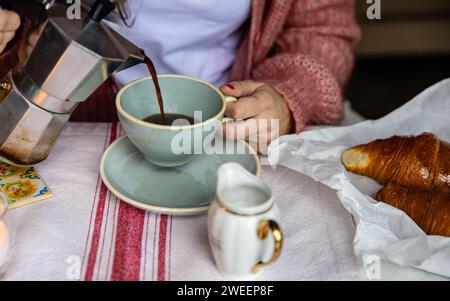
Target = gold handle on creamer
(264,228)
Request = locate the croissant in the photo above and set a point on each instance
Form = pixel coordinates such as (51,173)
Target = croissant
(430,209)
(422,161)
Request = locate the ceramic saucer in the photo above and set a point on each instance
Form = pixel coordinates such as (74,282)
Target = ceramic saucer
(184,190)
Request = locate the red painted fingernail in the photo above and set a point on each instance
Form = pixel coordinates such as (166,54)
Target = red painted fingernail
(231,86)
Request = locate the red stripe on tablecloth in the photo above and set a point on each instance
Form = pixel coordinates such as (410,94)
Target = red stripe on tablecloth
(93,203)
(127,252)
(90,222)
(104,237)
(126,263)
(162,248)
(98,219)
(170,248)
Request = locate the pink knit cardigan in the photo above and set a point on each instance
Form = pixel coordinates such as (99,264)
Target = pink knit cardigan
(303,48)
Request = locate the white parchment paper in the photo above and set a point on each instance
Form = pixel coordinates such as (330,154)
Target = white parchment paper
(382,231)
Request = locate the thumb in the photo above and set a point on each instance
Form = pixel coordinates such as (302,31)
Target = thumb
(241,88)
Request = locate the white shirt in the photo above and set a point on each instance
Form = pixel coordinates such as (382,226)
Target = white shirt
(197,38)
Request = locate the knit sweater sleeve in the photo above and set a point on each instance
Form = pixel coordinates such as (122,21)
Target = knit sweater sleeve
(312,59)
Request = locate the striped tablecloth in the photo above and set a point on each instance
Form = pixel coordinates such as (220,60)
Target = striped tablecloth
(85,232)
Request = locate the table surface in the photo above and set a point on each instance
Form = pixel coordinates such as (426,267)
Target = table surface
(85,232)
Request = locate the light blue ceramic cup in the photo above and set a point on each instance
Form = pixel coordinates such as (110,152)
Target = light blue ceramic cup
(182,95)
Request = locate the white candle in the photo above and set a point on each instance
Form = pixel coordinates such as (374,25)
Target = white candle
(4,243)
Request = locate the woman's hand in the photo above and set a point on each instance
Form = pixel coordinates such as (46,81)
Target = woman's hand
(261,114)
(9,23)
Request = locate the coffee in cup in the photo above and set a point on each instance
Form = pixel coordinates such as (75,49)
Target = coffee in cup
(184,97)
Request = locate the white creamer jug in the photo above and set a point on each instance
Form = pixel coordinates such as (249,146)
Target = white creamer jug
(243,224)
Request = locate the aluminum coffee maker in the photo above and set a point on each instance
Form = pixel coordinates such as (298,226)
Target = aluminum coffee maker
(62,62)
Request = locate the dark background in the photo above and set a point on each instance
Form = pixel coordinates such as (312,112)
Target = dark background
(400,55)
